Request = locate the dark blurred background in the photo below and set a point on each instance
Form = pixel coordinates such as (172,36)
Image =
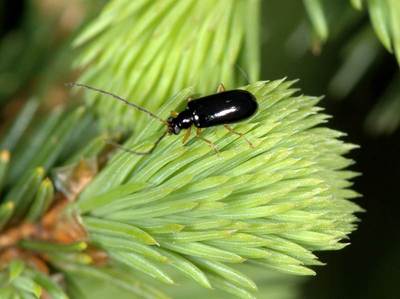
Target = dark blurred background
(352,70)
(370,266)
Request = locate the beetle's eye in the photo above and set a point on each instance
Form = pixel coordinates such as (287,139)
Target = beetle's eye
(176,130)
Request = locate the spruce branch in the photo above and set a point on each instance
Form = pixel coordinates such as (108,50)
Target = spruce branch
(72,208)
(362,51)
(185,207)
(154,49)
(188,209)
(384,16)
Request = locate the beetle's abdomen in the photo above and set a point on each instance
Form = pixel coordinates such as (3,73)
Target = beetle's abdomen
(222,108)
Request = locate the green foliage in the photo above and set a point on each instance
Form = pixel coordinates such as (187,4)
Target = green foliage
(35,50)
(154,49)
(25,282)
(202,213)
(270,285)
(185,207)
(362,51)
(384,15)
(318,19)
(385,18)
(184,214)
(37,144)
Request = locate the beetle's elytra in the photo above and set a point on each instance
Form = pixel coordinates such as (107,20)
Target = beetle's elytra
(221,108)
(217,109)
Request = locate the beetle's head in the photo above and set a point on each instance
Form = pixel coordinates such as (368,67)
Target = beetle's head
(182,121)
(173,126)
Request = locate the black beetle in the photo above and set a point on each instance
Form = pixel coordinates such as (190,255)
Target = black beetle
(221,108)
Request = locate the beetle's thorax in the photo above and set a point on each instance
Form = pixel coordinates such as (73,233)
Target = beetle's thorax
(182,121)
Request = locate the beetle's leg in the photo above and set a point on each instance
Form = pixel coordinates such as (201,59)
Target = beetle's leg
(187,135)
(210,143)
(239,134)
(174,113)
(220,87)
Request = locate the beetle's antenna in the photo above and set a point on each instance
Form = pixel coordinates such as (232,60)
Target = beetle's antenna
(244,74)
(76,84)
(139,153)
